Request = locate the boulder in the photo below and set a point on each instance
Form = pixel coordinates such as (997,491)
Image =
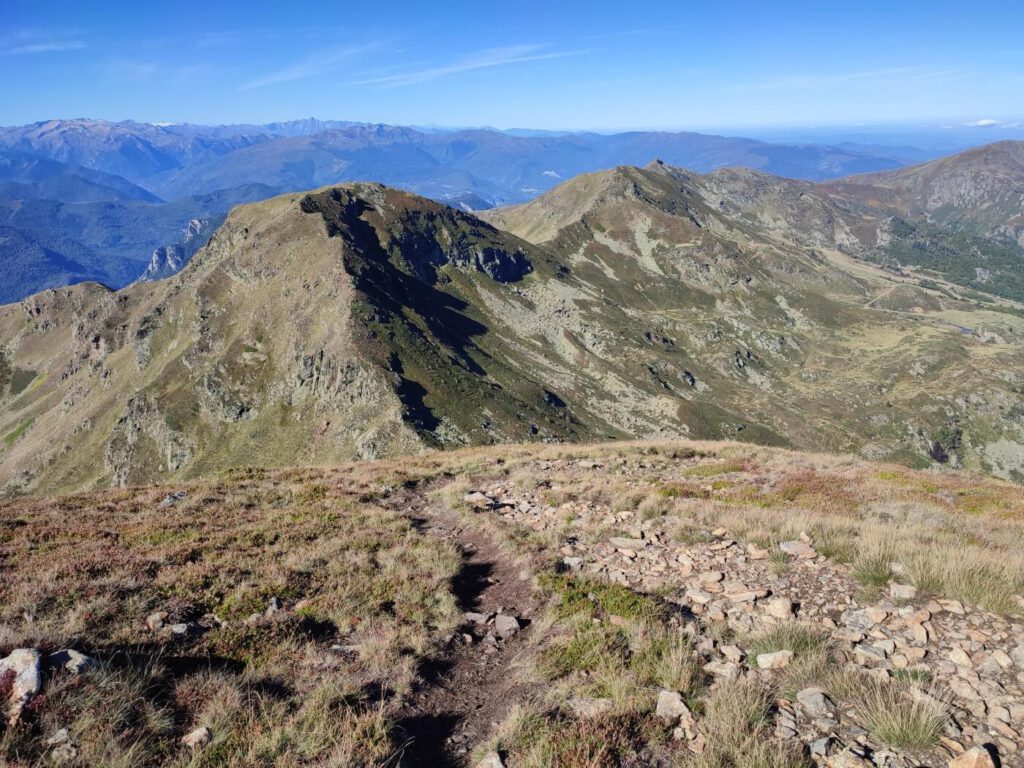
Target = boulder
(727,670)
(74,662)
(185,630)
(960,657)
(506,626)
(670,707)
(849,758)
(22,667)
(732,653)
(491,760)
(478,500)
(584,706)
(975,757)
(902,591)
(1017,655)
(780,608)
(776,660)
(628,544)
(798,549)
(814,701)
(198,738)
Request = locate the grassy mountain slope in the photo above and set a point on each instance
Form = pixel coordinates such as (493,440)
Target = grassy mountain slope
(363,321)
(742,286)
(960,217)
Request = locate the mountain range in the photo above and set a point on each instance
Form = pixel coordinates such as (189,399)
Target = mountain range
(90,199)
(360,320)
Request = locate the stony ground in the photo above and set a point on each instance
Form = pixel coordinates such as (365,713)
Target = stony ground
(973,660)
(620,605)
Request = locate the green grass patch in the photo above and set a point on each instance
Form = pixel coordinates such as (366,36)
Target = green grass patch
(12,437)
(596,599)
(593,647)
(801,639)
(872,569)
(912,676)
(715,468)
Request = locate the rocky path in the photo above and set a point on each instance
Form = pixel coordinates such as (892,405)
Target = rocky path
(973,660)
(470,686)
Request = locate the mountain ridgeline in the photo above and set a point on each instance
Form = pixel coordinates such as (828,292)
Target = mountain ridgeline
(363,321)
(94,200)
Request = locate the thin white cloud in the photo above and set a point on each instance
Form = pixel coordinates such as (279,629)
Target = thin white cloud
(987,123)
(49,46)
(315,64)
(487,59)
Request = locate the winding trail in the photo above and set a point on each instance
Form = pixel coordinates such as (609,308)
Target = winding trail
(470,685)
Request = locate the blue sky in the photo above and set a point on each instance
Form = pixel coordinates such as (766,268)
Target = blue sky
(557,64)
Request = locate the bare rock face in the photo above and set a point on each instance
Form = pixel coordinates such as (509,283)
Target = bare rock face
(142,438)
(22,668)
(378,224)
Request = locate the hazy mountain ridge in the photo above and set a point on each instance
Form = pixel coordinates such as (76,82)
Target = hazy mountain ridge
(649,302)
(202,170)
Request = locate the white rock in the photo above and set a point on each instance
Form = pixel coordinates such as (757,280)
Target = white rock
(960,657)
(776,660)
(699,596)
(976,757)
(780,608)
(724,669)
(198,738)
(24,663)
(584,706)
(798,549)
(670,706)
(732,653)
(628,544)
(491,760)
(902,591)
(1017,654)
(74,662)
